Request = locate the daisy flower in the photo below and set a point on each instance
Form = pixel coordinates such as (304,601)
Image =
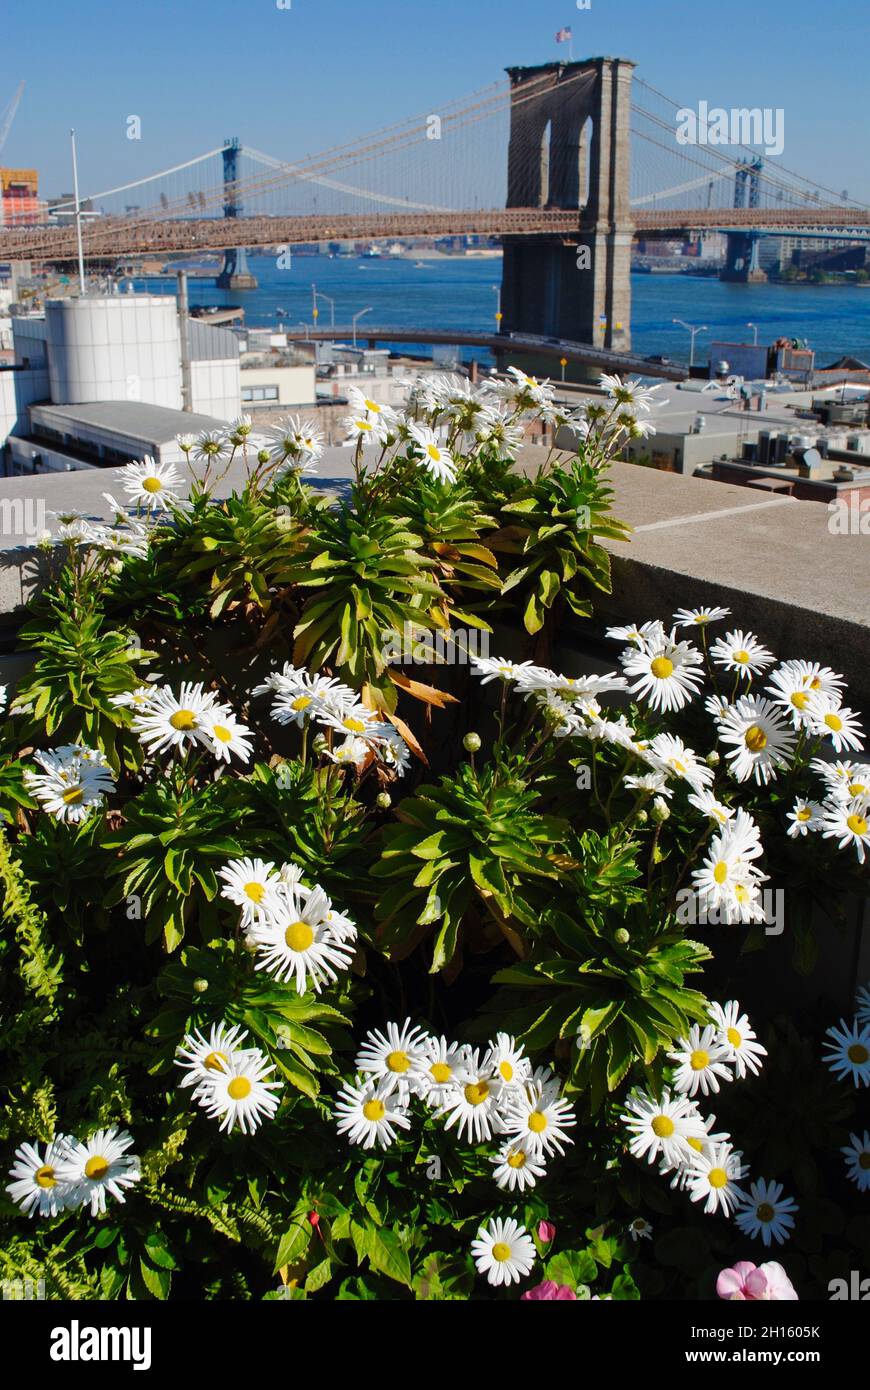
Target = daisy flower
(491,668)
(149,484)
(367,430)
(640,635)
(857,1155)
(393,1057)
(848,822)
(73,781)
(727,881)
(789,688)
(175,723)
(538,1115)
(99,1167)
(766,1213)
(435,458)
(434,1066)
(700,1062)
(741,652)
(517,1165)
(862,1004)
(762,744)
(737,1037)
(640,1229)
(707,804)
(650,783)
(843,779)
(803,817)
(296,940)
(668,751)
(295,442)
(369,1111)
(714,1176)
(848,1055)
(681,1170)
(630,392)
(35,1185)
(503,1251)
(717,706)
(661,1129)
(239,1095)
(250,884)
(831,720)
(665,672)
(508,1060)
(473,1103)
(227,734)
(363,406)
(353,719)
(211,446)
(202,1057)
(699,617)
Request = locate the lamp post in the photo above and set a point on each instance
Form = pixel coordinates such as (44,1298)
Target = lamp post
(356,319)
(498,313)
(694,330)
(83,289)
(330,301)
(754,327)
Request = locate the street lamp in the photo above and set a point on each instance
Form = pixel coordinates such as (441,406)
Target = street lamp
(356,318)
(498,313)
(307,328)
(330,301)
(754,327)
(701,328)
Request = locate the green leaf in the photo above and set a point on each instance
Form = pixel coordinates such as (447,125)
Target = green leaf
(383,1250)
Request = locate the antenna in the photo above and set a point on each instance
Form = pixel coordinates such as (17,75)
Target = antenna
(10,115)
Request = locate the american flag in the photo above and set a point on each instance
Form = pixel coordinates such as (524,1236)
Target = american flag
(564,35)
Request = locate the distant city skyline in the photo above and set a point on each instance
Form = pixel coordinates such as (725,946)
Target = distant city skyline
(300,79)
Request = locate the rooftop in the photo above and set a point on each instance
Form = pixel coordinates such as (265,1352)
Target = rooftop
(149,425)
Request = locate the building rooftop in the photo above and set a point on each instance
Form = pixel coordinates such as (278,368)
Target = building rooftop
(150,425)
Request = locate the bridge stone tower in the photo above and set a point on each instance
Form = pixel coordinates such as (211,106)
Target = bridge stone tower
(569,148)
(235,273)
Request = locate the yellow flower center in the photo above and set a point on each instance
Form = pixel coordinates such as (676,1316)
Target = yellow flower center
(222,733)
(373,407)
(374,1110)
(717,1177)
(44,1176)
(804,814)
(239,1088)
(662,667)
(363,425)
(152,484)
(183,719)
(720,872)
(71,795)
(834,722)
(815,683)
(696,1144)
(434,454)
(858,1054)
(506,1070)
(255,891)
(864,1160)
(663,1126)
(398,1061)
(734,1037)
(856,789)
(96,1167)
(765,1212)
(301,702)
(518,1159)
(299,936)
(440,1072)
(355,726)
(537,1122)
(501,1252)
(857,824)
(755,739)
(476,1092)
(800,699)
(742,656)
(699,1060)
(215,1061)
(741,892)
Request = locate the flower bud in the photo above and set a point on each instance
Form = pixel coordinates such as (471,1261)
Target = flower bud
(660,810)
(471,743)
(712,759)
(383,801)
(200,986)
(622,936)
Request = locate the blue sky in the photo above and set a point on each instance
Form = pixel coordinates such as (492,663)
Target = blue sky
(298,80)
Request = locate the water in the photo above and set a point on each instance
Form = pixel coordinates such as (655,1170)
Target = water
(460,293)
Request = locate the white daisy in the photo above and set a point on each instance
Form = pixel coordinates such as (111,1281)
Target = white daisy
(538,1115)
(250,884)
(643,635)
(367,430)
(73,781)
(473,1103)
(354,719)
(848,822)
(240,1096)
(699,617)
(700,1062)
(363,405)
(517,1165)
(862,1004)
(762,743)
(737,1037)
(210,446)
(650,783)
(640,1229)
(741,652)
(831,720)
(843,778)
(294,442)
(857,1155)
(35,1185)
(665,672)
(99,1166)
(393,1057)
(848,1054)
(669,752)
(434,457)
(503,1251)
(138,699)
(766,1213)
(435,1063)
(717,706)
(176,722)
(707,804)
(804,816)
(152,485)
(728,883)
(491,668)
(296,940)
(227,734)
(789,688)
(508,1060)
(631,392)
(201,1057)
(369,1112)
(662,1128)
(714,1176)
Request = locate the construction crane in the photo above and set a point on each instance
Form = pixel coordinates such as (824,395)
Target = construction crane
(9,117)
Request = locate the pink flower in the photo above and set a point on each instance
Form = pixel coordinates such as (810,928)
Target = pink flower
(548,1291)
(746,1283)
(546,1231)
